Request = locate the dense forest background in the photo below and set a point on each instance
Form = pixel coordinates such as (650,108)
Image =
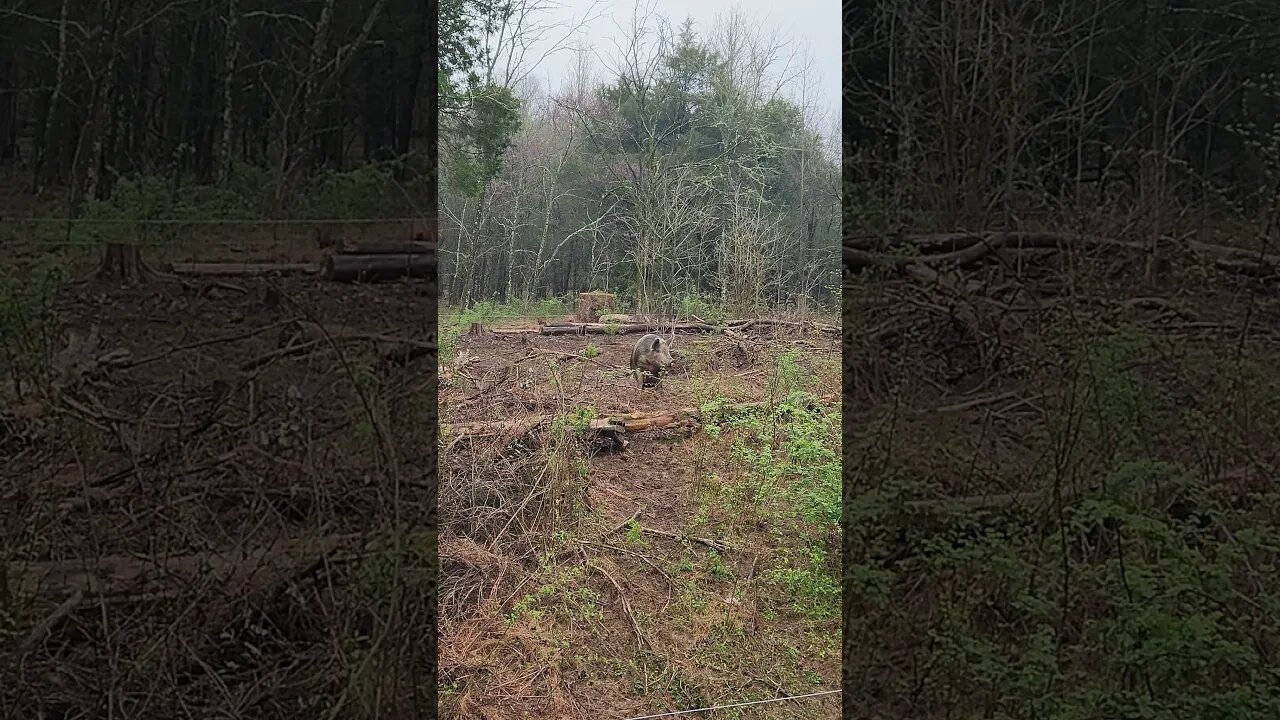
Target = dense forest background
(961,115)
(216,108)
(678,163)
(244,138)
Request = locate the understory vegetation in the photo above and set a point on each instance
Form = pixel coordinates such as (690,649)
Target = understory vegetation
(204,509)
(1059,311)
(1120,564)
(668,576)
(606,549)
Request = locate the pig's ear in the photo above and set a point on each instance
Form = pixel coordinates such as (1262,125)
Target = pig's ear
(656,342)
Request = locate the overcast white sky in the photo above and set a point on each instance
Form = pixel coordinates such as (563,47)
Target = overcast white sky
(814,24)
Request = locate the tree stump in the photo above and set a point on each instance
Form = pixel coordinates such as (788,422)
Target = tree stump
(325,238)
(124,263)
(591,303)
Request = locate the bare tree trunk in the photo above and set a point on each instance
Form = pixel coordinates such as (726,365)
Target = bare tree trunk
(313,108)
(184,124)
(9,73)
(228,84)
(51,124)
(86,169)
(407,101)
(95,186)
(120,261)
(511,244)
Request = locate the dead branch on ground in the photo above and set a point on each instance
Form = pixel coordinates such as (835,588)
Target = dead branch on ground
(966,248)
(688,417)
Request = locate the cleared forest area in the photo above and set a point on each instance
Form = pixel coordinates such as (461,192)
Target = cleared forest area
(217,432)
(606,549)
(1061,361)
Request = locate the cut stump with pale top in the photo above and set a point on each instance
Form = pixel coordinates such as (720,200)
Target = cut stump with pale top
(591,303)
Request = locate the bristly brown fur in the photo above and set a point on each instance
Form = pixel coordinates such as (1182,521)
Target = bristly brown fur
(649,359)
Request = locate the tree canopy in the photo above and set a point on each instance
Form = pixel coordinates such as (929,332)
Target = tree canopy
(683,172)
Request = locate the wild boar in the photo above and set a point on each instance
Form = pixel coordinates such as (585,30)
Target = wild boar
(650,359)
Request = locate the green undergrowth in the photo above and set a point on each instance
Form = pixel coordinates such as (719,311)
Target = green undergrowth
(1149,592)
(784,476)
(30,328)
(765,482)
(455,321)
(244,207)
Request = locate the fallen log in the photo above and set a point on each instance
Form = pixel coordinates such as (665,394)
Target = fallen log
(923,242)
(387,247)
(624,328)
(577,328)
(1238,260)
(968,247)
(689,417)
(231,269)
(374,268)
(740,325)
(980,245)
(514,429)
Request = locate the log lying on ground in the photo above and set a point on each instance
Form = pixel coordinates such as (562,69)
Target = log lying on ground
(374,268)
(576,328)
(1239,260)
(966,248)
(971,247)
(387,247)
(740,325)
(631,422)
(688,327)
(622,329)
(689,417)
(243,269)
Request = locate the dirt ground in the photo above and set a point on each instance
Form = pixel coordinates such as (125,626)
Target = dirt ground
(198,517)
(590,619)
